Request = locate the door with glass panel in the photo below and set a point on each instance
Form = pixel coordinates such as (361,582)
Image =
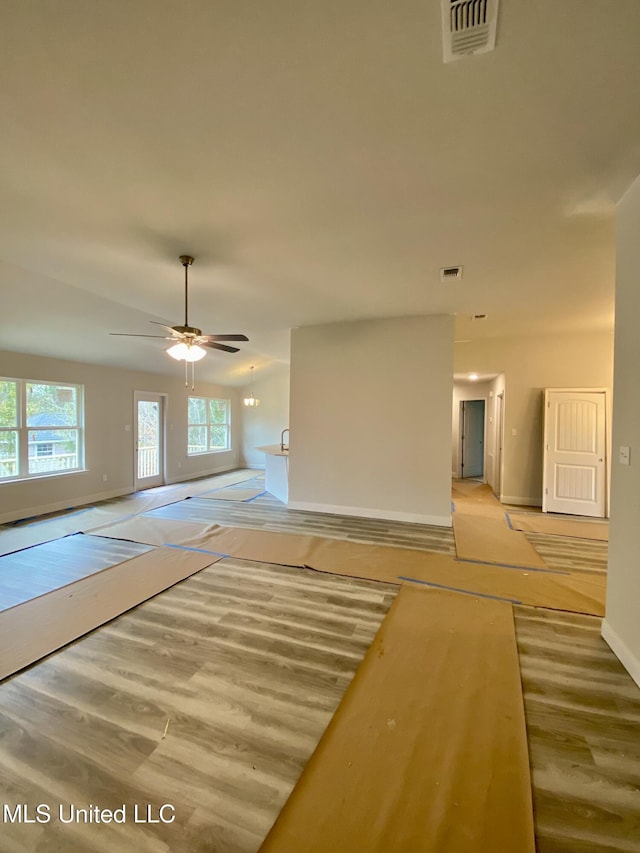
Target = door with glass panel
(149,440)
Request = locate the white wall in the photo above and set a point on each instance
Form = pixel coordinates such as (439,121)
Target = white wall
(621,627)
(109,449)
(463,391)
(530,364)
(371,416)
(264,424)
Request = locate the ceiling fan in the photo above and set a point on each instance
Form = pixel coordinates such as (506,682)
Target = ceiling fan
(188,342)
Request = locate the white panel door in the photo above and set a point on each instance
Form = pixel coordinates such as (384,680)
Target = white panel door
(149,437)
(575,452)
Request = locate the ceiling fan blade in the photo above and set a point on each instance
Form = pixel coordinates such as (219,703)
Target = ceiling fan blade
(128,335)
(225,337)
(164,326)
(224,347)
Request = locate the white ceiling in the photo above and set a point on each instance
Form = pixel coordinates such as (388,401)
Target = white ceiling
(463,378)
(317,158)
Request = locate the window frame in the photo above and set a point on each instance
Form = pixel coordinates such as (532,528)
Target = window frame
(208,425)
(23,431)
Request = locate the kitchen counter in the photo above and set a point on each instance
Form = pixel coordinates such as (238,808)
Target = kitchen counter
(276,471)
(274,450)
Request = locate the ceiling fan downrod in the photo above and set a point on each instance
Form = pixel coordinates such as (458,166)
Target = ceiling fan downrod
(186,261)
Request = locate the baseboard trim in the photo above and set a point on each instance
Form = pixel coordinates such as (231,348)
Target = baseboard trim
(83,500)
(56,506)
(516,500)
(368,512)
(622,651)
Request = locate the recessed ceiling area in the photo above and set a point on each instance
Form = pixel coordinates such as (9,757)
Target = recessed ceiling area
(480,377)
(319,161)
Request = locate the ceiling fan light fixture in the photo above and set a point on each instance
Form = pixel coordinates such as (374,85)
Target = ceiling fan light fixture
(186,352)
(188,344)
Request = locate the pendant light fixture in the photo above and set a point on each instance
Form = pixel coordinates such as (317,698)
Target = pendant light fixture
(251,400)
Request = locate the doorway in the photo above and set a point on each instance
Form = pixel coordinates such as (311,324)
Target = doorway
(149,440)
(472,438)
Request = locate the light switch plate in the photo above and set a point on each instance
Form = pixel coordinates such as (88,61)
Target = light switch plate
(624,454)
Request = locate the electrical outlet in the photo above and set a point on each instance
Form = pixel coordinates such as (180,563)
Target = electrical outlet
(104,478)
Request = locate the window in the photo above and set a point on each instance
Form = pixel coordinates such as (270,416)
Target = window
(209,425)
(40,428)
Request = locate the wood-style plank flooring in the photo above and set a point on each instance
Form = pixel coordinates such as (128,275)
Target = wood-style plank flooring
(276,516)
(34,571)
(245,661)
(583,728)
(568,552)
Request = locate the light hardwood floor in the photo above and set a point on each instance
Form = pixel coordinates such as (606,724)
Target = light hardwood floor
(583,728)
(275,516)
(51,565)
(247,662)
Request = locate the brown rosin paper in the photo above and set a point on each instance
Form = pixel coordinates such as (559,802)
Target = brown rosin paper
(577,592)
(489,539)
(427,750)
(481,530)
(38,627)
(538,523)
(155,531)
(474,494)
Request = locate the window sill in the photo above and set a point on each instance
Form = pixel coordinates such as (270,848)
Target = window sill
(51,474)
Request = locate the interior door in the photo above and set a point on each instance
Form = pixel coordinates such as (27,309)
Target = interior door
(575,452)
(472,437)
(149,440)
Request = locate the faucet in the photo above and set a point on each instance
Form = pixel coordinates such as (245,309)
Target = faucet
(282,447)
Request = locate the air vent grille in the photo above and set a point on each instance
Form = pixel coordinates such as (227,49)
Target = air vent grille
(450,273)
(467,14)
(468,27)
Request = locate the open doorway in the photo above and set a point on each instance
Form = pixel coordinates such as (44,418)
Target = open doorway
(477,428)
(472,439)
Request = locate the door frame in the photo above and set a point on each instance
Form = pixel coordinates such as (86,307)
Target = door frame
(499,443)
(160,480)
(461,435)
(607,439)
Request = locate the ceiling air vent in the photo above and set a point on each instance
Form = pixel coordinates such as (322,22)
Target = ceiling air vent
(468,27)
(450,273)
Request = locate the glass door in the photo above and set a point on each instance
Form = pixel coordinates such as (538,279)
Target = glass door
(149,440)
